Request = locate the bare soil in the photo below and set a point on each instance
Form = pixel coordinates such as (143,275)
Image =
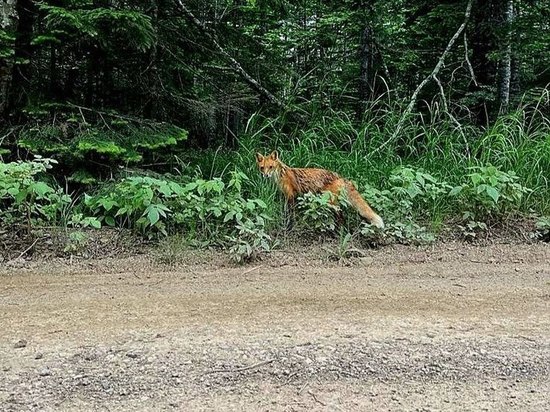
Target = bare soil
(451,327)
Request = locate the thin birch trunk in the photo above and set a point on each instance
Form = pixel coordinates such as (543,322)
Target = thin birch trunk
(505,68)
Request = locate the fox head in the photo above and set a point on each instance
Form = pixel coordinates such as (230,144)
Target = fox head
(268,165)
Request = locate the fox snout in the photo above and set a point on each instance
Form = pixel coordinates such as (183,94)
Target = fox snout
(266,173)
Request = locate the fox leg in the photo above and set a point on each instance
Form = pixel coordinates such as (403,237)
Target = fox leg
(290,212)
(338,213)
(340,218)
(335,191)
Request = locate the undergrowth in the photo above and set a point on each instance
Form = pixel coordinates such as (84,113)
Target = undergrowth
(433,176)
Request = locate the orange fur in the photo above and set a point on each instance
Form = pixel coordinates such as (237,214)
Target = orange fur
(296,181)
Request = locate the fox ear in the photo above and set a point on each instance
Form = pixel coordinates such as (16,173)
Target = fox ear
(259,157)
(274,155)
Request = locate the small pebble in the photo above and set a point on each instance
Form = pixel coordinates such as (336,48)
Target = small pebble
(20,344)
(44,372)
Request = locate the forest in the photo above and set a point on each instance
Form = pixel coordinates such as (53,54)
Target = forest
(147,115)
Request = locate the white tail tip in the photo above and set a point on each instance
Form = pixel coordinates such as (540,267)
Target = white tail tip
(378,222)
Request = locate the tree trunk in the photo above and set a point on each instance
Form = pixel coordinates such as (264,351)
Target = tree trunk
(152,106)
(483,43)
(8,21)
(505,66)
(366,75)
(55,89)
(23,50)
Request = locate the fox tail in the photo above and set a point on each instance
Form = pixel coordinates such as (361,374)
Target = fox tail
(363,207)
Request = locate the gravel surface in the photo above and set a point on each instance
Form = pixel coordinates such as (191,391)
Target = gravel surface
(403,329)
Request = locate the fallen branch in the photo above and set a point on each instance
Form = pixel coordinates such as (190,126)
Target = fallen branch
(432,75)
(26,250)
(303,387)
(251,269)
(235,65)
(315,397)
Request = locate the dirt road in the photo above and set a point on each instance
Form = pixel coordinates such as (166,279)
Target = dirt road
(404,329)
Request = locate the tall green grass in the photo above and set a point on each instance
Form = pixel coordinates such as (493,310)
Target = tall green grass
(434,142)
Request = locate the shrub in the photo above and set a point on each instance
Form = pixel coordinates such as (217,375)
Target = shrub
(410,185)
(488,193)
(249,240)
(401,232)
(212,210)
(26,198)
(316,212)
(138,202)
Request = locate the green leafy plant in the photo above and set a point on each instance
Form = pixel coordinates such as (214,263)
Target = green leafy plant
(316,212)
(489,192)
(472,229)
(136,202)
(250,240)
(416,184)
(78,220)
(343,249)
(210,210)
(76,242)
(209,207)
(398,232)
(26,198)
(412,193)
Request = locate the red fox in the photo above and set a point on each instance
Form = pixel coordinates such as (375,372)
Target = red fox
(294,181)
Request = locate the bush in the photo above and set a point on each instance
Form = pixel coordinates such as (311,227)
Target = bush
(406,233)
(24,197)
(412,197)
(488,193)
(135,202)
(250,240)
(412,193)
(316,212)
(415,188)
(212,210)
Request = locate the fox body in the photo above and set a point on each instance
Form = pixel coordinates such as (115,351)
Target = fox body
(295,181)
